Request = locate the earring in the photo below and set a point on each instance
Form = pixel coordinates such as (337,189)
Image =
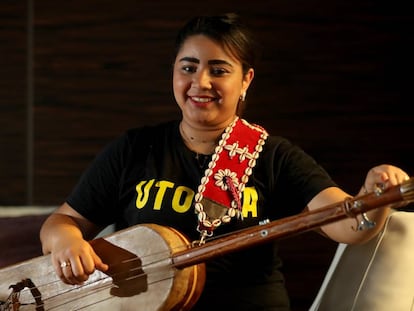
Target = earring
(243,96)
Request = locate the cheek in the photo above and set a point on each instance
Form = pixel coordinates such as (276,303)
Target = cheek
(232,91)
(179,84)
(177,88)
(180,88)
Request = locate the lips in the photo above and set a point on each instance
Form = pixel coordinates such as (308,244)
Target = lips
(201,101)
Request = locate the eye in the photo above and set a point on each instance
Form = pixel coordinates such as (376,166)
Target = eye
(189,68)
(218,71)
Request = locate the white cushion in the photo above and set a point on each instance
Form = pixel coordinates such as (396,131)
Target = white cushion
(375,276)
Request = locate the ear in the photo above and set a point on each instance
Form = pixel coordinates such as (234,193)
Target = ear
(247,79)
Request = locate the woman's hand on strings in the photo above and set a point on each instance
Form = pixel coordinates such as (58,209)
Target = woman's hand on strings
(74,260)
(64,235)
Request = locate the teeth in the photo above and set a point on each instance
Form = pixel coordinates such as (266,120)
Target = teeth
(201,99)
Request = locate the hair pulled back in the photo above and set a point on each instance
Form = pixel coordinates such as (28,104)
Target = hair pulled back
(228,30)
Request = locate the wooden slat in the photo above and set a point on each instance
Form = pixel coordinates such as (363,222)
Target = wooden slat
(13,113)
(330,80)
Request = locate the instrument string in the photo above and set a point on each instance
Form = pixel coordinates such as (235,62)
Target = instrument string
(156,262)
(163,255)
(152,267)
(95,289)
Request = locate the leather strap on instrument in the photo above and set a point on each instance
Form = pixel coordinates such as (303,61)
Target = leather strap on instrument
(13,302)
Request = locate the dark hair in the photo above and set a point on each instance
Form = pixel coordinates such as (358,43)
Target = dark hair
(228,30)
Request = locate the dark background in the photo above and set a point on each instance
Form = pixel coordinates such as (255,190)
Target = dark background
(336,77)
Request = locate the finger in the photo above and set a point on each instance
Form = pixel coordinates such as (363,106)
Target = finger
(402,176)
(73,272)
(59,268)
(377,179)
(394,176)
(80,273)
(66,272)
(87,263)
(99,265)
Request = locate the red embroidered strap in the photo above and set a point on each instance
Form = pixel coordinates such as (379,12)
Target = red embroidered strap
(233,191)
(227,174)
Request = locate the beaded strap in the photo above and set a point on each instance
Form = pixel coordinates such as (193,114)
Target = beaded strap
(227,174)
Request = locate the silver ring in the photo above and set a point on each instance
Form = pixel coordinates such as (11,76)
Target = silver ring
(65,264)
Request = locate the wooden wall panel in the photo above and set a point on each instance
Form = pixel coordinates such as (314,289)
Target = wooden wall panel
(13,99)
(330,80)
(100,69)
(333,76)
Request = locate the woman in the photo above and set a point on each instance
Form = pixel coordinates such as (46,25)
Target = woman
(137,177)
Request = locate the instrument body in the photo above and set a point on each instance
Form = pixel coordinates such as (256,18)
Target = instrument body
(143,252)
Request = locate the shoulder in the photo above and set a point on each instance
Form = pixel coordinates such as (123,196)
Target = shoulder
(138,141)
(278,142)
(282,148)
(296,167)
(290,157)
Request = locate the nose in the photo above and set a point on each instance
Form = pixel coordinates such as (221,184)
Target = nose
(202,80)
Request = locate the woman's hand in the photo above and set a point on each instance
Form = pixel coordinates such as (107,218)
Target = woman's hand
(383,176)
(63,235)
(74,259)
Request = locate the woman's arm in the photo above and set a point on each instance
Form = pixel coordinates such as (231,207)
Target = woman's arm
(344,231)
(64,235)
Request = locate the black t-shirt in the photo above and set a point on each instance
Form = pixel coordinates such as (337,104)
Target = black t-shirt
(148,175)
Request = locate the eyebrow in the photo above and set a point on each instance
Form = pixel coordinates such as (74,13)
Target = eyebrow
(210,62)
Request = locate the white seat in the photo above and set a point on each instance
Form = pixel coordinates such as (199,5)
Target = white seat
(375,276)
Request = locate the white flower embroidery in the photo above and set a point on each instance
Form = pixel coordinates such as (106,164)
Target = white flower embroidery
(219,177)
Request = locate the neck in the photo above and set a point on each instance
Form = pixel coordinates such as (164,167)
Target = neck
(200,141)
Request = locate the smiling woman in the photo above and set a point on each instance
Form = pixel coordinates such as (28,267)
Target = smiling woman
(150,175)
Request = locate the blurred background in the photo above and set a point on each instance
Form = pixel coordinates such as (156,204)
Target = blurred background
(335,77)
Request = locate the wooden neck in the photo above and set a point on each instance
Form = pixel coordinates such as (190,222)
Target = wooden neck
(396,196)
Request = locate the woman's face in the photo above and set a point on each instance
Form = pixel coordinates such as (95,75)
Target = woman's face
(208,82)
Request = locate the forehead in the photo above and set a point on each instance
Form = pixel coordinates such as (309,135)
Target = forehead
(205,48)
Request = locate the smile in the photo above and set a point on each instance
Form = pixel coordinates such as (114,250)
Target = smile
(201,99)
